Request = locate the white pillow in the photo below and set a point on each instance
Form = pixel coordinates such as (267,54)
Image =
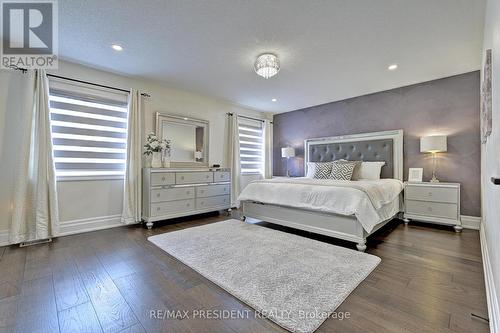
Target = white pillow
(368,170)
(311,169)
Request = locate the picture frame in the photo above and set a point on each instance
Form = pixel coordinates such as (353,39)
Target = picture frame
(415,175)
(486,98)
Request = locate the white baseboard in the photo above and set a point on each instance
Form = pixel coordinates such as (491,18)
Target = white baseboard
(493,305)
(471,222)
(89,224)
(4,237)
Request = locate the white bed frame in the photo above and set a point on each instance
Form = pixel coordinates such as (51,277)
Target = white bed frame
(333,225)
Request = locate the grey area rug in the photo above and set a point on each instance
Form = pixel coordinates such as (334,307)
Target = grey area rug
(292,280)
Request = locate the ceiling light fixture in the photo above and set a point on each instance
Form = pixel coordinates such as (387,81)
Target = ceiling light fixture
(274,100)
(267,65)
(116,47)
(392,67)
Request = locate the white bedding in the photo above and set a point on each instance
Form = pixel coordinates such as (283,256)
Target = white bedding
(371,201)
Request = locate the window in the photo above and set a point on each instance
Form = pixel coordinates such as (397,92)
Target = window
(251,134)
(89,130)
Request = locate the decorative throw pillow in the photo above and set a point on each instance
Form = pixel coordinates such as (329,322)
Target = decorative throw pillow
(342,170)
(322,170)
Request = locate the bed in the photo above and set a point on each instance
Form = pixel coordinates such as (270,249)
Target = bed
(348,210)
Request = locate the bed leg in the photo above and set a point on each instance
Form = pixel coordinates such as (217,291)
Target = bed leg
(361,246)
(458,228)
(406,221)
(243,218)
(149,225)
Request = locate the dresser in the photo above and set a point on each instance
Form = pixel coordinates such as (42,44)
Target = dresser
(169,193)
(433,202)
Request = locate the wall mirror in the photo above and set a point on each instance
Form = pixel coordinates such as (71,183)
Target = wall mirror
(189,139)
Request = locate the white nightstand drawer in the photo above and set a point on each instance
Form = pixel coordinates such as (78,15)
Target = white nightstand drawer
(222,176)
(165,208)
(162,178)
(434,194)
(171,194)
(212,190)
(194,177)
(223,200)
(436,209)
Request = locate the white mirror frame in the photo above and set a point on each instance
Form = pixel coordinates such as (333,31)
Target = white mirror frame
(162,117)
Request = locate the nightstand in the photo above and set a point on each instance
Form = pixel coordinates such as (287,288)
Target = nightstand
(433,202)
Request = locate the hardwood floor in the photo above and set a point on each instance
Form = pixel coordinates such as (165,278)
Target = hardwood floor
(430,280)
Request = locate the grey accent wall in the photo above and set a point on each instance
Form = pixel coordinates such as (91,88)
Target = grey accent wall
(447,106)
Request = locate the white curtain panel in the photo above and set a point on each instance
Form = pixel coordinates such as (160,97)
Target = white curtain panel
(233,158)
(268,150)
(34,205)
(132,191)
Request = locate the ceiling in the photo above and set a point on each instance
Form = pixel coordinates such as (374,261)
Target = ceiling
(329,49)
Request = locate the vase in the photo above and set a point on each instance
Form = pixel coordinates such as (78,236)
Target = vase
(156,161)
(166,162)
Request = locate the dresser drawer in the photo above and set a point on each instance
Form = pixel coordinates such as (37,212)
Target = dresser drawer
(223,200)
(212,190)
(435,194)
(222,176)
(436,209)
(171,194)
(162,178)
(194,177)
(170,207)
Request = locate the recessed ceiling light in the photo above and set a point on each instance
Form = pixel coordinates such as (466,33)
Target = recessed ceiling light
(116,47)
(392,67)
(274,100)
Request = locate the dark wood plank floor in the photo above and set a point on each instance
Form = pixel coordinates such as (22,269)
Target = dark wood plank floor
(430,280)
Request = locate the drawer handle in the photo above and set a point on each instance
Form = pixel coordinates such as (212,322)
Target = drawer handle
(202,191)
(430,194)
(187,192)
(202,203)
(429,209)
(225,189)
(162,178)
(158,209)
(188,204)
(157,195)
(182,177)
(207,176)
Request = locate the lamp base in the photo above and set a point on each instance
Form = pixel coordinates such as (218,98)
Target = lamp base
(434,180)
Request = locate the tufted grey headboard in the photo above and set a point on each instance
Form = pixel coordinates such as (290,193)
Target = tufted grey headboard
(379,146)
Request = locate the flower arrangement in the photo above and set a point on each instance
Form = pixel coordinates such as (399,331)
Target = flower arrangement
(155,145)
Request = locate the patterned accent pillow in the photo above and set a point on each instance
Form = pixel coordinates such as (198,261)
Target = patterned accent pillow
(323,170)
(342,170)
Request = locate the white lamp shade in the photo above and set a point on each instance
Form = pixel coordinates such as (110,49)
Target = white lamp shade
(287,152)
(433,144)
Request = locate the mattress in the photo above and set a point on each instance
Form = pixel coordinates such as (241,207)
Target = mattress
(370,201)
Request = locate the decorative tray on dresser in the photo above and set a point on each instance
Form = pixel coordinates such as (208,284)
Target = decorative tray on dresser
(433,202)
(170,193)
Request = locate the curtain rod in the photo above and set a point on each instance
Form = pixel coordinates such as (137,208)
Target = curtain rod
(24,70)
(231,114)
(94,84)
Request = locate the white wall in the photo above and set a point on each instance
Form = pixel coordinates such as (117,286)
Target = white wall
(82,201)
(491,150)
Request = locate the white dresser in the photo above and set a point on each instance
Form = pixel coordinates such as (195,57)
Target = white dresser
(433,202)
(169,193)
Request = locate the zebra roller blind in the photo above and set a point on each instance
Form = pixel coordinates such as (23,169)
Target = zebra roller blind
(89,129)
(251,135)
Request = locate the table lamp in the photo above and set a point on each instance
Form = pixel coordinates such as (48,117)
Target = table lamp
(433,144)
(287,152)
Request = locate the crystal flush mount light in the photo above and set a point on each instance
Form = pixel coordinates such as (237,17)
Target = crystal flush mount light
(267,65)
